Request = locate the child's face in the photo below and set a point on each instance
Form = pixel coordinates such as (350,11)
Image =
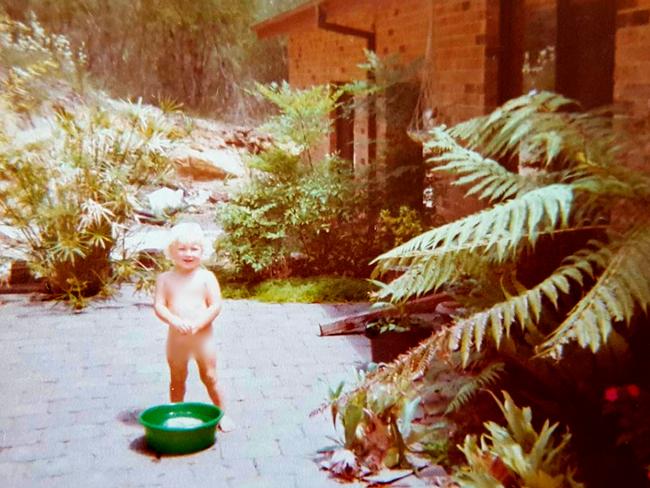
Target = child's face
(186,256)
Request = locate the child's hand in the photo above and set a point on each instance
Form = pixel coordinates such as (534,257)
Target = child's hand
(182,326)
(194,327)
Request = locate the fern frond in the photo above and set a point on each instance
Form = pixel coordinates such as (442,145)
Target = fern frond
(437,255)
(425,275)
(486,175)
(503,130)
(487,377)
(546,127)
(525,308)
(624,284)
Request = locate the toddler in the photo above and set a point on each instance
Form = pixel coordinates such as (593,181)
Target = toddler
(188,299)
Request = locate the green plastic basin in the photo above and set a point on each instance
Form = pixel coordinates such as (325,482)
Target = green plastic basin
(180,428)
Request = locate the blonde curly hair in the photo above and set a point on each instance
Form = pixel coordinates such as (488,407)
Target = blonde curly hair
(188,233)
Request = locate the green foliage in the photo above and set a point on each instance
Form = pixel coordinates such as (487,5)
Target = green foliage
(472,385)
(70,196)
(297,216)
(392,230)
(495,235)
(31,57)
(575,185)
(200,53)
(68,188)
(303,120)
(624,283)
(308,224)
(405,423)
(380,428)
(559,259)
(320,289)
(516,455)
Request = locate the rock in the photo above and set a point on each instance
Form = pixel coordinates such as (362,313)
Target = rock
(40,134)
(201,197)
(151,240)
(207,165)
(164,199)
(218,196)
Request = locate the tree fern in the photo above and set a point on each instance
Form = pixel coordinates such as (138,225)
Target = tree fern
(525,309)
(577,189)
(544,125)
(624,284)
(497,233)
(488,177)
(487,377)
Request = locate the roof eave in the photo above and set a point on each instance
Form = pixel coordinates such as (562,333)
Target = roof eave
(281,23)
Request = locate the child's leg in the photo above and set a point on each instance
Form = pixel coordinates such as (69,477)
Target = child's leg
(177,358)
(206,360)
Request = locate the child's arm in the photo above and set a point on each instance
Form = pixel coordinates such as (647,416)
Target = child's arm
(163,313)
(214,302)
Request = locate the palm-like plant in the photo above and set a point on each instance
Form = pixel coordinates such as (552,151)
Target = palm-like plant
(569,181)
(68,183)
(559,203)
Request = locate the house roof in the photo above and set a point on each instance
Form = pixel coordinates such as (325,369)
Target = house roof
(281,23)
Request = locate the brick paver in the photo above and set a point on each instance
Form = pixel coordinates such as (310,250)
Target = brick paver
(73,384)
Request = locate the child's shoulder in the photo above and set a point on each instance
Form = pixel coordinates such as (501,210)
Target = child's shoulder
(165,276)
(206,274)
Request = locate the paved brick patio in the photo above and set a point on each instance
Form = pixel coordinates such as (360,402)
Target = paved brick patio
(72,386)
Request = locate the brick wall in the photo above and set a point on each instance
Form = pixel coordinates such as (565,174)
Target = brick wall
(463,36)
(464,81)
(632,74)
(463,65)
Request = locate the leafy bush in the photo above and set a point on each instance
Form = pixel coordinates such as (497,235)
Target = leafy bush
(299,214)
(70,196)
(395,230)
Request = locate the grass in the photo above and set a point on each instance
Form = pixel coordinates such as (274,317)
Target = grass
(320,289)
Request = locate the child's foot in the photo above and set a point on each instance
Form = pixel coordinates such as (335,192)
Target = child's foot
(227,424)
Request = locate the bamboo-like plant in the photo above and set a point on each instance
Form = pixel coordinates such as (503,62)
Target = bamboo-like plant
(68,186)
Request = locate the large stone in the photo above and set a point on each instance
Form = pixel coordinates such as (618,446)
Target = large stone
(164,199)
(210,164)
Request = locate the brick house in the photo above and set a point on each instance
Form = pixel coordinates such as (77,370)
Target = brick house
(477,54)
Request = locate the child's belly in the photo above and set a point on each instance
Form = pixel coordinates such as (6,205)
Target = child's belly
(188,308)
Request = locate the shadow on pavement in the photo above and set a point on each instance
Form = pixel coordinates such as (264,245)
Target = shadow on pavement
(129,417)
(140,446)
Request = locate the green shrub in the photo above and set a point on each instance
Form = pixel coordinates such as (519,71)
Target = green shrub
(298,215)
(321,289)
(395,230)
(68,186)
